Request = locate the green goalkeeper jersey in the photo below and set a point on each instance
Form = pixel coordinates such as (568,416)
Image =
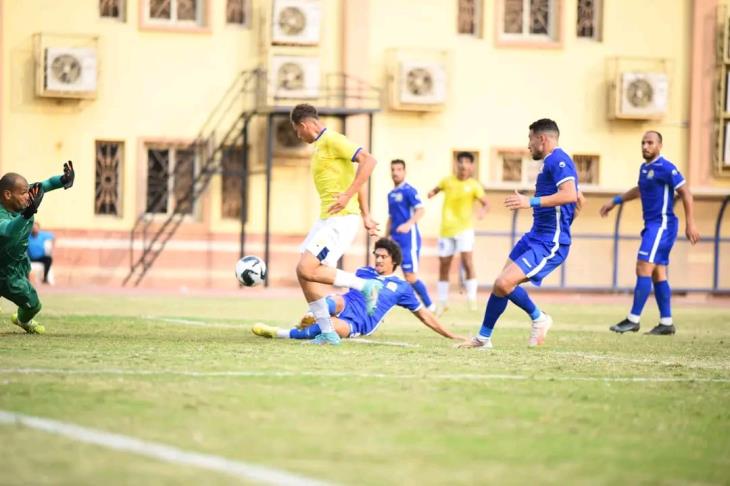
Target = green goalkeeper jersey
(14,232)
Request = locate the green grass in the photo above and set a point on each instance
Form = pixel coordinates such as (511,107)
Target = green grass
(427,414)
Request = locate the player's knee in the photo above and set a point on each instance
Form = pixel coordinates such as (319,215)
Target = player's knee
(502,286)
(305,271)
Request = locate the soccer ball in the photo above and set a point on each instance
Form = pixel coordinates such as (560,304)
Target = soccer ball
(250,270)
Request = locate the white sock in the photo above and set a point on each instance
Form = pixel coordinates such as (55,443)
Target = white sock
(471,289)
(321,312)
(443,291)
(349,280)
(282,333)
(666,321)
(633,318)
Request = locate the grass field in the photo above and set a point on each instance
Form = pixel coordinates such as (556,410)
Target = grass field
(588,407)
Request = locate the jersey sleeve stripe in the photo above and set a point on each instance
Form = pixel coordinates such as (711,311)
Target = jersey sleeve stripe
(557,184)
(354,156)
(680,184)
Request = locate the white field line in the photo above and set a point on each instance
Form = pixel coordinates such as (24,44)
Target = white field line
(382,343)
(622,359)
(157,450)
(189,322)
(364,374)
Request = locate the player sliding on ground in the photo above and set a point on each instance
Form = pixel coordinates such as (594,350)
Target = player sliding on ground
(332,234)
(349,314)
(19,201)
(542,249)
(658,180)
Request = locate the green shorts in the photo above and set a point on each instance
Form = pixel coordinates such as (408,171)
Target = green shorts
(17,289)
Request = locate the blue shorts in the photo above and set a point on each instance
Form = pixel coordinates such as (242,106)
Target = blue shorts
(657,242)
(537,258)
(356,315)
(410,247)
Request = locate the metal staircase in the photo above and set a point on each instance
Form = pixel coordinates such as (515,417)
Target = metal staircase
(251,94)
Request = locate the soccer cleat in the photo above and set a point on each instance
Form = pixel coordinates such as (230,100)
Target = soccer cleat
(331,338)
(31,327)
(662,330)
(482,344)
(370,290)
(261,329)
(625,326)
(307,320)
(539,330)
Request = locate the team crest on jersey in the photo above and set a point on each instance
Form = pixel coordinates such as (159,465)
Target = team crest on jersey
(398,197)
(650,175)
(561,164)
(674,172)
(392,286)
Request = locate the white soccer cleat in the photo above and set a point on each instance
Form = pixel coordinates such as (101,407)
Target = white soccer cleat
(539,330)
(480,343)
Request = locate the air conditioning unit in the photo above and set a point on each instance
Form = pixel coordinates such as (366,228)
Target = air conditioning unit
(418,82)
(640,96)
(296,22)
(67,72)
(295,77)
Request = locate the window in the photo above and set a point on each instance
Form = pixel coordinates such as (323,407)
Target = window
(109,156)
(587,168)
(170,178)
(529,20)
(236,12)
(174,12)
(469,19)
(232,170)
(588,25)
(517,168)
(112,9)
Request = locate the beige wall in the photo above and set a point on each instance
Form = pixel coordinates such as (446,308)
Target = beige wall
(162,85)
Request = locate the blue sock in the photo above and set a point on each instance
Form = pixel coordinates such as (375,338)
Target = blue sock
(641,293)
(495,307)
(420,289)
(520,298)
(331,305)
(663,294)
(310,332)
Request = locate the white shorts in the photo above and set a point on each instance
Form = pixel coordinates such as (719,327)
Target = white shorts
(463,242)
(330,238)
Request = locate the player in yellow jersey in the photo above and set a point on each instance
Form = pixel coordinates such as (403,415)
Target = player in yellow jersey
(337,183)
(457,227)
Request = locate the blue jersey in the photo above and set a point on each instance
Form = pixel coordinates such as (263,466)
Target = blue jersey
(403,201)
(657,182)
(37,244)
(395,291)
(553,224)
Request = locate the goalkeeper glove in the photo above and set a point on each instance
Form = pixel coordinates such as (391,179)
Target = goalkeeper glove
(67,179)
(36,196)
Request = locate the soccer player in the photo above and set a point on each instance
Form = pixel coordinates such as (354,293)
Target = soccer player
(350,316)
(19,202)
(457,227)
(542,249)
(337,183)
(658,180)
(39,250)
(405,209)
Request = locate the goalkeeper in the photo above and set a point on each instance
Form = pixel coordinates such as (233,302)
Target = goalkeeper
(19,202)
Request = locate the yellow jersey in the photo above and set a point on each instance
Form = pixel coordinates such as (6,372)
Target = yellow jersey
(459,197)
(333,171)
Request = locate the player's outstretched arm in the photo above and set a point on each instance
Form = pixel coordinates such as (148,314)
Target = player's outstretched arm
(629,195)
(371,226)
(65,180)
(433,192)
(430,320)
(365,165)
(688,202)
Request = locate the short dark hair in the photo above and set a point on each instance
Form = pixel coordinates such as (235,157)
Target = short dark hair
(544,125)
(392,248)
(659,135)
(398,161)
(465,155)
(9,181)
(302,111)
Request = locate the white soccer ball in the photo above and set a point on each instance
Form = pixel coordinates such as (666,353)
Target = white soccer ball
(250,270)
